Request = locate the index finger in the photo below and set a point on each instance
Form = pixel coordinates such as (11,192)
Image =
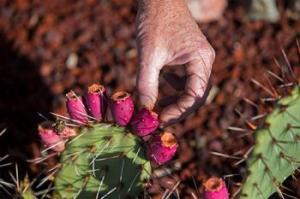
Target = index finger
(198,72)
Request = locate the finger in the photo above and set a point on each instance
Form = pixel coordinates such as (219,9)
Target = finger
(147,80)
(198,72)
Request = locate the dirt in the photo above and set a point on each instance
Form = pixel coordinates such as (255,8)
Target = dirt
(49,47)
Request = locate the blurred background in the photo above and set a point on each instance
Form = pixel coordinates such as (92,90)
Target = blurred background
(49,47)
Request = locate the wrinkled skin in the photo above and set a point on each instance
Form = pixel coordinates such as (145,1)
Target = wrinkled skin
(168,35)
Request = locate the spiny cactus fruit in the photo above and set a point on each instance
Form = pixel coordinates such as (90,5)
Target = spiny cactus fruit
(96,101)
(76,108)
(144,122)
(276,153)
(215,188)
(122,107)
(162,148)
(103,160)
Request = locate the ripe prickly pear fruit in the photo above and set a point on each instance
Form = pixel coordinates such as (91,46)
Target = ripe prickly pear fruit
(95,101)
(215,188)
(76,108)
(122,107)
(144,122)
(50,138)
(162,148)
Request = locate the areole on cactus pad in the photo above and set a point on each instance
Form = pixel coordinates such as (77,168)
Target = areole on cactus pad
(101,159)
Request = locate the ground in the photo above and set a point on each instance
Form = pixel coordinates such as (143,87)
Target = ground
(49,47)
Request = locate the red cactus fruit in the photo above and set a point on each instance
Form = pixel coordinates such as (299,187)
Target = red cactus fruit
(122,107)
(162,148)
(76,108)
(215,188)
(67,132)
(95,101)
(50,138)
(144,122)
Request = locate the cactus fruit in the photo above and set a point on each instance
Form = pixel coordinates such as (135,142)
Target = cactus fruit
(76,108)
(122,108)
(50,138)
(144,122)
(102,160)
(215,188)
(95,101)
(162,148)
(276,153)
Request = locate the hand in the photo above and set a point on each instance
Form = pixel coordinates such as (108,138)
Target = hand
(168,35)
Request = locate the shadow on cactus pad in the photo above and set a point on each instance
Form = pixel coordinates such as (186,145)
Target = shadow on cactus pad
(102,161)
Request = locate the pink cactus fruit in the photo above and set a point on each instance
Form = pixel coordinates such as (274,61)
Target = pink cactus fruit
(144,122)
(50,138)
(122,107)
(162,148)
(95,101)
(215,188)
(76,108)
(67,132)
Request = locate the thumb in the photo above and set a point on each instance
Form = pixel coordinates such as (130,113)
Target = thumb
(148,79)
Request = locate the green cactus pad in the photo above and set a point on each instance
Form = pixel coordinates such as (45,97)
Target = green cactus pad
(102,161)
(276,154)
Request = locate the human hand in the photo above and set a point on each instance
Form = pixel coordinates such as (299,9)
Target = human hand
(168,35)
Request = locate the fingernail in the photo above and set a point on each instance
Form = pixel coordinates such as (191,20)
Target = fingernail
(147,102)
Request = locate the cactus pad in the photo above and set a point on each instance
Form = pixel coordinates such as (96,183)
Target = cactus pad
(276,153)
(103,161)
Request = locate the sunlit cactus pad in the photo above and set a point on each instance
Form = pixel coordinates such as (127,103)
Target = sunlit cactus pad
(276,154)
(103,161)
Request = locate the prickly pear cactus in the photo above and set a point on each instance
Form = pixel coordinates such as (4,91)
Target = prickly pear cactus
(102,161)
(98,156)
(276,153)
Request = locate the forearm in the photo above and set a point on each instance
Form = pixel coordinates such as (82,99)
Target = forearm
(165,10)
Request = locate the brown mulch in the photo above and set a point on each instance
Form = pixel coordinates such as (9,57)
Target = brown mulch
(49,47)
